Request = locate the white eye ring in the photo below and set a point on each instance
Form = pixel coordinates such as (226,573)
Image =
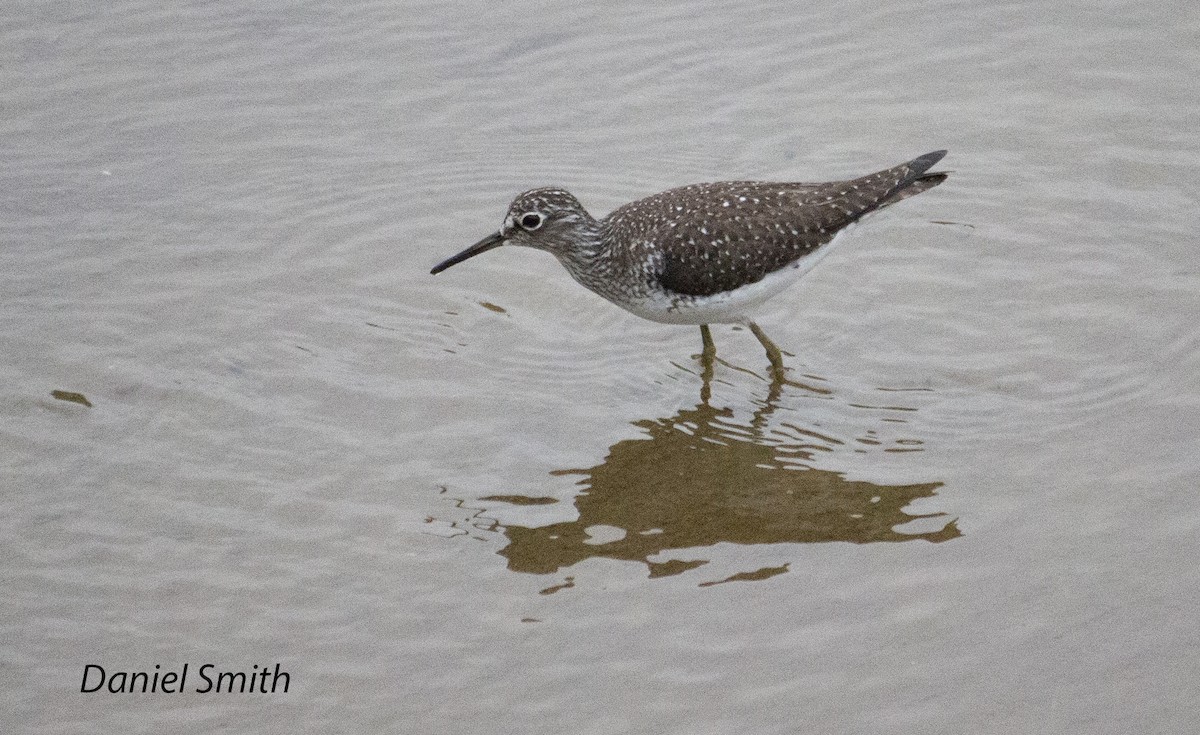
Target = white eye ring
(530,221)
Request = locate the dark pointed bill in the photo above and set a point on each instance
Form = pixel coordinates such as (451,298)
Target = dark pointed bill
(493,240)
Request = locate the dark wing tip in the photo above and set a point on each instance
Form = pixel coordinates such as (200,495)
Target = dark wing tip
(921,164)
(915,180)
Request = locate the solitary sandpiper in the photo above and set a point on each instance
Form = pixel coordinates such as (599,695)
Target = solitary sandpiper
(705,253)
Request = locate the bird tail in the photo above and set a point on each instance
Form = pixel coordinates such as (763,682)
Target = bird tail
(915,180)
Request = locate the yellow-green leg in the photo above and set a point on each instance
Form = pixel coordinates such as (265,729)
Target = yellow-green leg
(710,350)
(708,358)
(773,352)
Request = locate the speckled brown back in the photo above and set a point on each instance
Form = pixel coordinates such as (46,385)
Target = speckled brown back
(716,237)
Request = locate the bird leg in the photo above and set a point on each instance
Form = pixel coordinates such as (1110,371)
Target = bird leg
(773,353)
(707,359)
(710,350)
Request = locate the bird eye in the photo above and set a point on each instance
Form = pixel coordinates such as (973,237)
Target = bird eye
(530,221)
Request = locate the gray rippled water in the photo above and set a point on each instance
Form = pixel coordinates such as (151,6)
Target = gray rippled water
(241,424)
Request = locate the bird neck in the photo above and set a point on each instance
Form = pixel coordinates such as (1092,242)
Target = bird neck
(588,259)
(585,247)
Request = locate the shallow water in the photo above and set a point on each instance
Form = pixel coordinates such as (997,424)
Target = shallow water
(488,500)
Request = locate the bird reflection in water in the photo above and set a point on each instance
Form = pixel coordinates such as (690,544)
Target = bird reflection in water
(701,478)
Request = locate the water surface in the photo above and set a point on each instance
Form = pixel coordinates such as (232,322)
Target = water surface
(491,501)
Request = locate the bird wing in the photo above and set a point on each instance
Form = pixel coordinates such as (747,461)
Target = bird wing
(716,237)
